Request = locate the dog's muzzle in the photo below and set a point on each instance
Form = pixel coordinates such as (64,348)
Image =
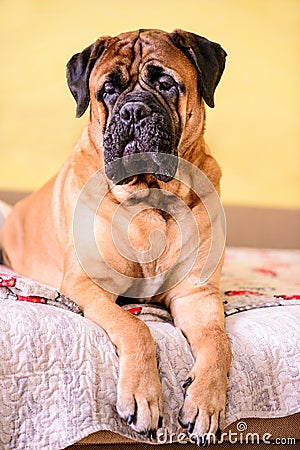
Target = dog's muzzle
(140,126)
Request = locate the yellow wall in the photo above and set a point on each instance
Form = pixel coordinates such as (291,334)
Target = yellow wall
(253,131)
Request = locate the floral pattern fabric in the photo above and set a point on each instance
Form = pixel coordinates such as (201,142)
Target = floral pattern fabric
(59,371)
(260,278)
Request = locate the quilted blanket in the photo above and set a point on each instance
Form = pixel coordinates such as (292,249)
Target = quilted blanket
(58,370)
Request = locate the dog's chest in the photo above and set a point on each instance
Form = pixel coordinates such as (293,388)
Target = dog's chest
(154,240)
(140,244)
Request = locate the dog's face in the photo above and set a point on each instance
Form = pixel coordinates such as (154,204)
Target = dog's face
(145,88)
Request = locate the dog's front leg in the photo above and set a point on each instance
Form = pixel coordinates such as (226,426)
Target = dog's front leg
(200,316)
(139,388)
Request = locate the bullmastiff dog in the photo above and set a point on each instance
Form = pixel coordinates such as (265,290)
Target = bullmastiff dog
(146,91)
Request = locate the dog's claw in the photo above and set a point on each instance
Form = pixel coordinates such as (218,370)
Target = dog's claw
(219,434)
(154,434)
(190,427)
(183,425)
(203,442)
(187,383)
(130,419)
(151,434)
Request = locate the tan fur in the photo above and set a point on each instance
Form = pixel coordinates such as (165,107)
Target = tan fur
(37,241)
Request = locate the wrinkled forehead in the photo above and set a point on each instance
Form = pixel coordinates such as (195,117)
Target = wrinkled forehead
(133,51)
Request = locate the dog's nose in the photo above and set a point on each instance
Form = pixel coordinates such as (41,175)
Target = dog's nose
(134,112)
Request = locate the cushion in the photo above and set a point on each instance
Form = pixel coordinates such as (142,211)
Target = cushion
(59,370)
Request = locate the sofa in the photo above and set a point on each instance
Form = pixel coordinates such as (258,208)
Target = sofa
(59,370)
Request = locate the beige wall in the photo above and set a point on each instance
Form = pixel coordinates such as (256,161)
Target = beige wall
(253,131)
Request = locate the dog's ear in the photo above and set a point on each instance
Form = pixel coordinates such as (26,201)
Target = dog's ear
(208,57)
(78,73)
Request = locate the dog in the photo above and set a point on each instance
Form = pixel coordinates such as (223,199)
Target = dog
(146,90)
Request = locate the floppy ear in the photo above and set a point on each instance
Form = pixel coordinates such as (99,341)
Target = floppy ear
(78,73)
(207,56)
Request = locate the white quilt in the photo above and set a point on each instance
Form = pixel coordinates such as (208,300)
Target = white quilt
(58,370)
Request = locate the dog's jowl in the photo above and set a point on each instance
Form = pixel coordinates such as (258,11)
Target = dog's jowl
(152,217)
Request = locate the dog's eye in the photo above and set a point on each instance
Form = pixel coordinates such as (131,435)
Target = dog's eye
(165,83)
(167,86)
(109,88)
(108,93)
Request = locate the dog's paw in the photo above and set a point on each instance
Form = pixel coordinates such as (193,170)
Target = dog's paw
(140,397)
(203,411)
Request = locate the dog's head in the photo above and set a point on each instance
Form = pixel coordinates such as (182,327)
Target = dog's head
(145,88)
